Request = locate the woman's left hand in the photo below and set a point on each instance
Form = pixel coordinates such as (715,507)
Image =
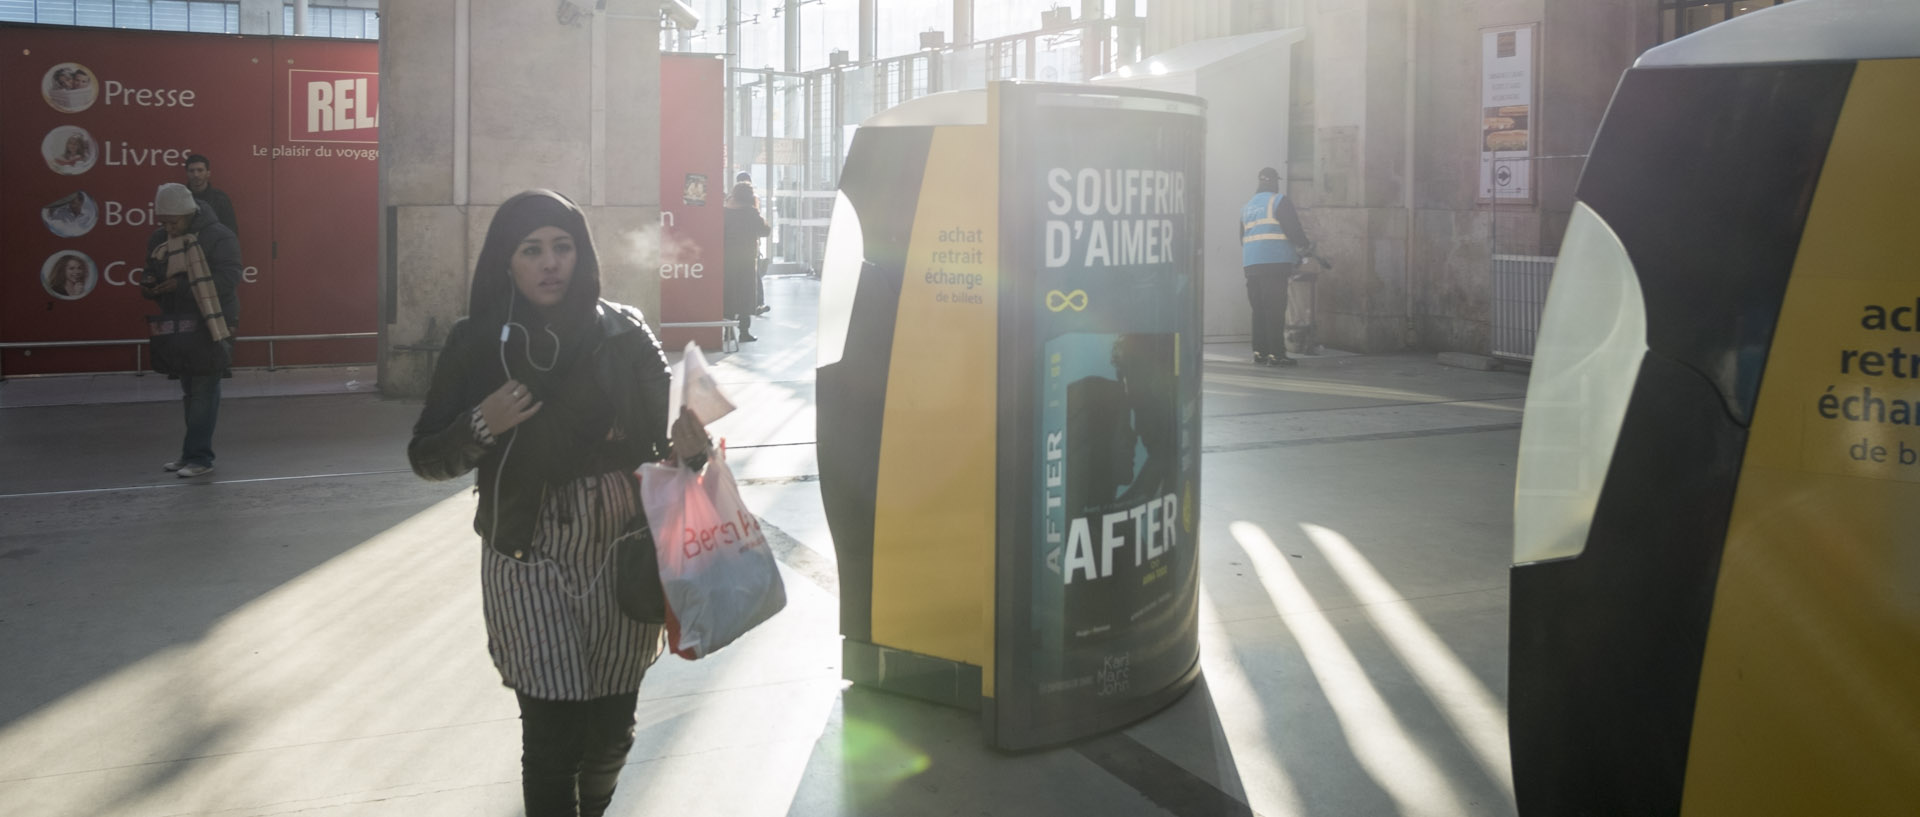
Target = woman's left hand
(689,437)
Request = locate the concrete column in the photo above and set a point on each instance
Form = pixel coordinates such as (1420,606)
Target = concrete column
(1385,140)
(962,32)
(260,16)
(1355,207)
(791,22)
(575,108)
(732,23)
(1093,40)
(868,21)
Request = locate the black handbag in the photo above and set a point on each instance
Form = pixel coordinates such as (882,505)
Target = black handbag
(636,576)
(180,345)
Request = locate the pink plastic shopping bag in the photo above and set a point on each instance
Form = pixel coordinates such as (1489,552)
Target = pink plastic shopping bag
(719,576)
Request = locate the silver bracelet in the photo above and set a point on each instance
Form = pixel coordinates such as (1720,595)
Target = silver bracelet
(480,431)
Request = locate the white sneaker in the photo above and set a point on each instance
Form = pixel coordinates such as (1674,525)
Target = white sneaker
(193,470)
(174,466)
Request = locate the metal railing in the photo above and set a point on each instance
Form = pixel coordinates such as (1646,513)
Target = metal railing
(729,331)
(1525,241)
(140,346)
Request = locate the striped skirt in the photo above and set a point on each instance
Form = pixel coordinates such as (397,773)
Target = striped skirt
(553,627)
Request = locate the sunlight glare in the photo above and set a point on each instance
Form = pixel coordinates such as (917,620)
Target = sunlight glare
(1379,741)
(1476,715)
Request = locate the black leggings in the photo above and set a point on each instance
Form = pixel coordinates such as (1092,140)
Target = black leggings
(571,753)
(1267,293)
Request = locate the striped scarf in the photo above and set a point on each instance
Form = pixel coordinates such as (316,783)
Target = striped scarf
(184,257)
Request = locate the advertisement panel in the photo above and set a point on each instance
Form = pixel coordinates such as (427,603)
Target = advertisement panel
(325,168)
(1111,443)
(98,119)
(693,187)
(1506,108)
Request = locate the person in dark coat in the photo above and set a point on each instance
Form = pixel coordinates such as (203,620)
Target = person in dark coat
(760,273)
(744,229)
(556,397)
(200,181)
(179,213)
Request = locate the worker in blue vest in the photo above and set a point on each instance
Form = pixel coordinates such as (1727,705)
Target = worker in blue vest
(1272,242)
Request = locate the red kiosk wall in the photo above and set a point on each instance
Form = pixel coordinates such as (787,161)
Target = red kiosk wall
(692,188)
(149,109)
(326,198)
(156,97)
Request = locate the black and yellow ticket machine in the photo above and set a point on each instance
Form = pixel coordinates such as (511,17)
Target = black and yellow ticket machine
(1716,589)
(1009,404)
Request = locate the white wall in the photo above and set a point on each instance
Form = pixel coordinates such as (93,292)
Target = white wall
(1247,101)
(1247,98)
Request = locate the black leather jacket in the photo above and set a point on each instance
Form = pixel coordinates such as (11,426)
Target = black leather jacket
(628,371)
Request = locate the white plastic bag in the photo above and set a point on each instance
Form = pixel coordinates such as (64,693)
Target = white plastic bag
(695,388)
(718,573)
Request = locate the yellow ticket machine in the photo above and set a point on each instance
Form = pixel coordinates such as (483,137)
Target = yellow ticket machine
(1716,589)
(1009,404)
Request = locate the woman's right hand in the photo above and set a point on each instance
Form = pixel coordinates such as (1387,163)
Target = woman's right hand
(508,406)
(688,438)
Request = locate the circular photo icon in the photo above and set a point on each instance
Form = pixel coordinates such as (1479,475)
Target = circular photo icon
(69,87)
(69,150)
(69,275)
(72,216)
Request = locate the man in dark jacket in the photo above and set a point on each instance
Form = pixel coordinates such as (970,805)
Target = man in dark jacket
(200,181)
(179,214)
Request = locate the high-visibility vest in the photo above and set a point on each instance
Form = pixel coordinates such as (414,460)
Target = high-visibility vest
(1262,239)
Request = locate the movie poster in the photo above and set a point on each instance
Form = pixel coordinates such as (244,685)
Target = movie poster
(1116,459)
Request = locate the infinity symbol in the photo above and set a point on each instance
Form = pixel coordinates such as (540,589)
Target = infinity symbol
(1058,301)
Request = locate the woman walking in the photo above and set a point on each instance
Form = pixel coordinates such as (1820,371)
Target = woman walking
(556,397)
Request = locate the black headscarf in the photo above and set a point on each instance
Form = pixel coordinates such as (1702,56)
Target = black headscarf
(493,291)
(493,301)
(549,351)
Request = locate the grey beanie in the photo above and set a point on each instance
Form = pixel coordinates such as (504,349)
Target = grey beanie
(174,199)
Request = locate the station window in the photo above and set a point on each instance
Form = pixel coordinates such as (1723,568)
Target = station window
(1678,18)
(897,24)
(210,16)
(335,21)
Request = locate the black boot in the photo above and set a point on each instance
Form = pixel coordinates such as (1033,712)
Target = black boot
(607,736)
(551,735)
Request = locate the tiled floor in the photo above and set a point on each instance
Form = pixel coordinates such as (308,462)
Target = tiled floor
(300,632)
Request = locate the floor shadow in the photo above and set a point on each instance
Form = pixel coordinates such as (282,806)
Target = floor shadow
(1180,759)
(119,576)
(884,754)
(1312,767)
(1435,547)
